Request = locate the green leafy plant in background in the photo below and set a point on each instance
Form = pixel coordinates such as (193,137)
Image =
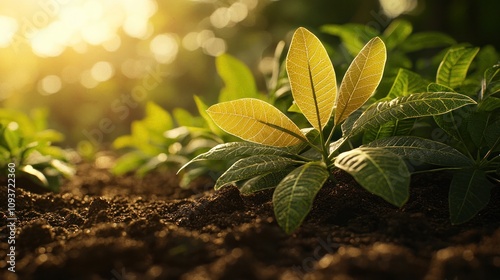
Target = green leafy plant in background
(297,162)
(161,139)
(403,48)
(27,143)
(164,139)
(473,130)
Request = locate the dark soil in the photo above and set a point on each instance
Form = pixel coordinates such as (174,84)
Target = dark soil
(104,227)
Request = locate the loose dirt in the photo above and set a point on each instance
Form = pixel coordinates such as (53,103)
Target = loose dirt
(105,227)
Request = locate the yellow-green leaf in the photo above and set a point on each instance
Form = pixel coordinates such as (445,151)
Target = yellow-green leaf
(256,121)
(312,78)
(361,79)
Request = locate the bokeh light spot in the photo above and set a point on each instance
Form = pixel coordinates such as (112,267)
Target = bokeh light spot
(164,48)
(49,85)
(8,27)
(214,46)
(102,71)
(394,8)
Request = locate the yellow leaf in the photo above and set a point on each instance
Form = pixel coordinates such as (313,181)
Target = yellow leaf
(361,79)
(256,121)
(312,78)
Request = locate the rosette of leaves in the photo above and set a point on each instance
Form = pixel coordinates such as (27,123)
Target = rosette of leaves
(27,142)
(297,162)
(473,130)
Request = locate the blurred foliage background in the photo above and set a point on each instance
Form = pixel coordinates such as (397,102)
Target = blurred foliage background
(95,63)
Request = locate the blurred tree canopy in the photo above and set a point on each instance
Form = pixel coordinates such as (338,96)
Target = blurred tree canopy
(95,63)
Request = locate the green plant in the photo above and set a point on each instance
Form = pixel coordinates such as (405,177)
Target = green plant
(297,162)
(161,139)
(473,130)
(403,48)
(27,143)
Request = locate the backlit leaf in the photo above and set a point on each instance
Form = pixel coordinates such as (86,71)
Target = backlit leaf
(406,82)
(424,40)
(235,150)
(312,78)
(253,166)
(157,119)
(396,33)
(388,129)
(202,110)
(380,172)
(353,36)
(361,79)
(420,150)
(433,87)
(469,193)
(411,106)
(256,121)
(263,182)
(237,77)
(453,68)
(295,194)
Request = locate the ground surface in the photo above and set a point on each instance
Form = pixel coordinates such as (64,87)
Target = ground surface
(103,227)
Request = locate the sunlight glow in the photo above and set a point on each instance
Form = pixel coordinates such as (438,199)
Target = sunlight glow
(164,48)
(8,28)
(394,8)
(49,85)
(50,29)
(102,71)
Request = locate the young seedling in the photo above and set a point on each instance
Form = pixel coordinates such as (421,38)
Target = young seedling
(297,162)
(27,144)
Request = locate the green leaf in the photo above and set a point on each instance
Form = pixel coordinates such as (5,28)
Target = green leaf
(256,121)
(312,78)
(234,150)
(469,193)
(295,194)
(237,77)
(49,135)
(492,80)
(353,35)
(388,129)
(411,106)
(123,142)
(492,134)
(129,162)
(454,123)
(157,119)
(35,175)
(184,118)
(379,171)
(476,124)
(454,66)
(11,137)
(396,33)
(263,182)
(433,87)
(202,110)
(426,40)
(489,104)
(418,150)
(361,79)
(253,166)
(406,82)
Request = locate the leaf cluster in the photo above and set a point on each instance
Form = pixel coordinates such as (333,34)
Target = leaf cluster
(376,142)
(27,142)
